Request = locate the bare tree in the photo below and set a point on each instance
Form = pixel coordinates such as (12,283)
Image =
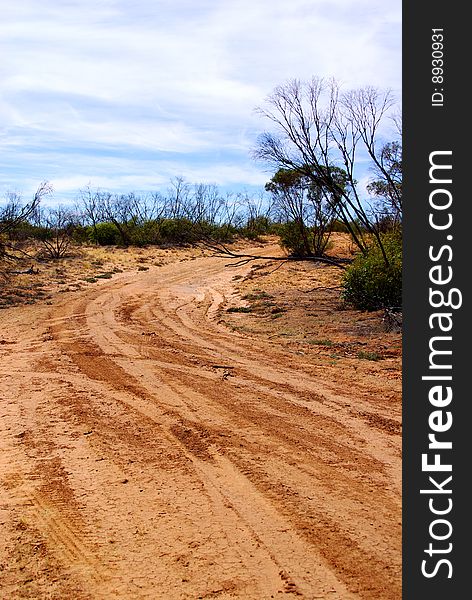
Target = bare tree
(91,207)
(178,198)
(118,209)
(204,204)
(56,231)
(15,212)
(259,209)
(366,107)
(13,215)
(214,204)
(319,127)
(152,207)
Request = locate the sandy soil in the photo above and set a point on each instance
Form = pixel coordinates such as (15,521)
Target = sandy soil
(198,431)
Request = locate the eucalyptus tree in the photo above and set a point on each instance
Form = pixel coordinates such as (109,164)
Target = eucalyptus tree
(319,127)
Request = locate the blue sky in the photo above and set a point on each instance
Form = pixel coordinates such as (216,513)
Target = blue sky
(126,95)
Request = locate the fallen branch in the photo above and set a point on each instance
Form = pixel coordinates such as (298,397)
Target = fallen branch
(277,268)
(244,259)
(221,251)
(29,271)
(335,288)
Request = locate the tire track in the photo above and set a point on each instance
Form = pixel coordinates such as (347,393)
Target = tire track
(116,347)
(154,472)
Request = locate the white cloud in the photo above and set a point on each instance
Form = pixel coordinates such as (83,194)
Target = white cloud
(173,75)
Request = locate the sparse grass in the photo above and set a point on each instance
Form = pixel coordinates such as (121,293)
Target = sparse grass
(239,309)
(369,355)
(265,304)
(106,275)
(327,343)
(240,328)
(257,296)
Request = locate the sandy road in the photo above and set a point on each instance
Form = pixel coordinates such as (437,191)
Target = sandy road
(150,452)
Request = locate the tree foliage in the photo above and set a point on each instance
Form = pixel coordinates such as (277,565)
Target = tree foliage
(387,186)
(306,209)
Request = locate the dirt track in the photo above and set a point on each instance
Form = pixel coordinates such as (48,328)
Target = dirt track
(148,451)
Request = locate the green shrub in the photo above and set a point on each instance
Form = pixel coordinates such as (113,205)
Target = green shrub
(369,284)
(104,234)
(81,234)
(223,233)
(22,231)
(338,226)
(145,233)
(41,233)
(180,231)
(296,237)
(303,241)
(256,226)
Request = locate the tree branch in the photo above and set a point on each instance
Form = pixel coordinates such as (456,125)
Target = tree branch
(243,259)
